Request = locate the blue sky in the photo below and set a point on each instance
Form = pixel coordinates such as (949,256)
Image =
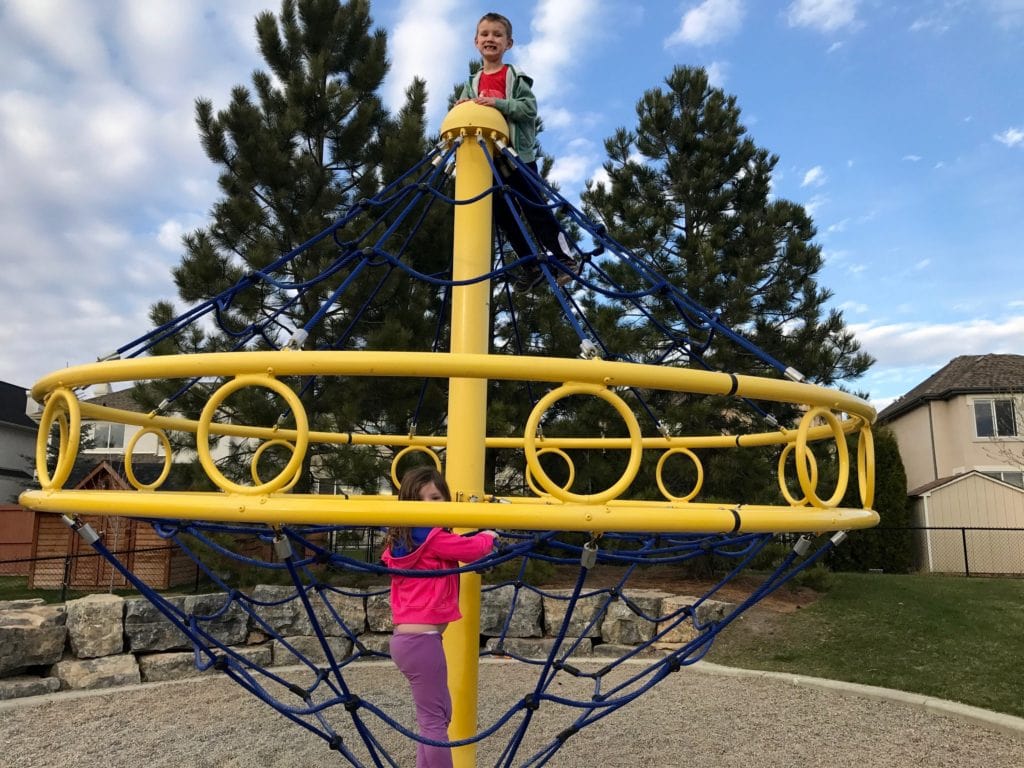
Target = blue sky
(900,126)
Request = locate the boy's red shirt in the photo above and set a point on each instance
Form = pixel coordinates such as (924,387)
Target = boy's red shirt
(493,84)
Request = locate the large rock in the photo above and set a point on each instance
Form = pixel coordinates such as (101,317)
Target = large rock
(633,621)
(31,634)
(147,629)
(21,604)
(582,621)
(378,643)
(226,623)
(284,653)
(96,626)
(278,610)
(496,605)
(378,610)
(681,629)
(27,685)
(104,672)
(539,647)
(339,614)
(157,667)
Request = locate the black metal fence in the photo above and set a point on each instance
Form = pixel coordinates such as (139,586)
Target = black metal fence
(91,572)
(957,550)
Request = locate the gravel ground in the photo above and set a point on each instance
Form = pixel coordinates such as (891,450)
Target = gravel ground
(691,718)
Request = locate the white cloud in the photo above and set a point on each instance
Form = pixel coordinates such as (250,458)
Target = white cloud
(558,117)
(570,171)
(423,28)
(61,34)
(855,307)
(823,15)
(717,74)
(548,56)
(601,178)
(1011,137)
(913,158)
(899,344)
(815,177)
(907,353)
(100,155)
(1008,13)
(707,23)
(922,264)
(815,204)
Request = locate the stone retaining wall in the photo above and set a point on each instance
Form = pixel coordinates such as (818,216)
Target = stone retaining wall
(102,641)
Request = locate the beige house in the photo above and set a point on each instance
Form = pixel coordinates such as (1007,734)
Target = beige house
(961,438)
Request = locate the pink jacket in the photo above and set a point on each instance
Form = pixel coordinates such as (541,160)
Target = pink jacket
(424,600)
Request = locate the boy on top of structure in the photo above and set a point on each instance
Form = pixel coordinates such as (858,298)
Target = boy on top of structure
(507,89)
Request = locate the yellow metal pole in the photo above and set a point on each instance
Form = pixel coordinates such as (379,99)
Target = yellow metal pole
(467,397)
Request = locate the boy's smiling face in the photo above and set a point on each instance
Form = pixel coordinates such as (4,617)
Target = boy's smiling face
(492,40)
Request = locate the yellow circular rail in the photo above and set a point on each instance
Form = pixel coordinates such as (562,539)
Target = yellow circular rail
(129,452)
(830,415)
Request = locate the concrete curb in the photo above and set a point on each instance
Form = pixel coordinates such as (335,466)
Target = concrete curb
(1007,724)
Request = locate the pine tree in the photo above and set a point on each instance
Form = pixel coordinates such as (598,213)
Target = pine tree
(690,192)
(890,547)
(303,145)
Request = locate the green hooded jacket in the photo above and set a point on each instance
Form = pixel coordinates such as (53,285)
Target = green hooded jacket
(520,110)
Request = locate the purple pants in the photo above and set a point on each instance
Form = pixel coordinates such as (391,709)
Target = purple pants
(420,657)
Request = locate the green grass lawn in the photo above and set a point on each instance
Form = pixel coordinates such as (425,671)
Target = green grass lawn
(950,637)
(16,588)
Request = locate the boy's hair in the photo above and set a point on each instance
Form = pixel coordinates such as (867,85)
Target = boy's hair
(413,482)
(503,20)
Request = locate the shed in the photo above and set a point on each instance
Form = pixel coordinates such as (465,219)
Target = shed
(16,526)
(56,549)
(967,518)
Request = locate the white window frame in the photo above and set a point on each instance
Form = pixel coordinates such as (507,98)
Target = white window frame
(107,428)
(993,416)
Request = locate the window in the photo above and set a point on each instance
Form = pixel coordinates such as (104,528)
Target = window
(1013,477)
(995,418)
(107,436)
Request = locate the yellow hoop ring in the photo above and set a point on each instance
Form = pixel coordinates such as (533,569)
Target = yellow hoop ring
(866,466)
(301,432)
(661,482)
(530,443)
(254,464)
(568,461)
(841,453)
(411,449)
(782,474)
(130,473)
(70,425)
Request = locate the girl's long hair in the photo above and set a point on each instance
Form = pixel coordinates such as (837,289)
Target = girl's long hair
(414,481)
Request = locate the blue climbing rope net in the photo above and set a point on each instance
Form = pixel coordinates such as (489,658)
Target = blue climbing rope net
(308,605)
(595,645)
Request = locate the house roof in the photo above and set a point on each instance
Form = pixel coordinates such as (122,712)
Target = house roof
(12,406)
(921,490)
(964,375)
(123,399)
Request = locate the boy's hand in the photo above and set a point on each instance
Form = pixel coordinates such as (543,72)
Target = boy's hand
(487,101)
